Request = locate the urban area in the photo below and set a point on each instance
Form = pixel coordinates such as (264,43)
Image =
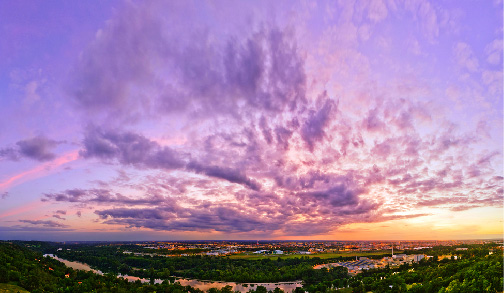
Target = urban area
(252,266)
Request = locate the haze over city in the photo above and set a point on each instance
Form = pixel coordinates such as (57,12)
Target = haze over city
(310,120)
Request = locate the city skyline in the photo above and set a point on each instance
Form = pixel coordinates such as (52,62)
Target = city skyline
(323,120)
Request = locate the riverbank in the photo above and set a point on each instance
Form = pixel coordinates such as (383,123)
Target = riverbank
(203,285)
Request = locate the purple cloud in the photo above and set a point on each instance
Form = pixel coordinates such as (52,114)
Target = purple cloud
(47,224)
(128,148)
(99,196)
(272,128)
(38,148)
(313,129)
(235,176)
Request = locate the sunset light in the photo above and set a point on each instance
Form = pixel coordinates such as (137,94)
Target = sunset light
(311,120)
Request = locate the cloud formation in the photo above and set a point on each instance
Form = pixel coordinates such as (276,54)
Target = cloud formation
(47,224)
(39,148)
(277,151)
(259,119)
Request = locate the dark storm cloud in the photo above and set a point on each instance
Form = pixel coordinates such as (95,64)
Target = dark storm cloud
(38,148)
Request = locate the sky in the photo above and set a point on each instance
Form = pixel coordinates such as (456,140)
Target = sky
(187,120)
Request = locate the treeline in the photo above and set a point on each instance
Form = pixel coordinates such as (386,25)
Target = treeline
(30,270)
(114,260)
(476,271)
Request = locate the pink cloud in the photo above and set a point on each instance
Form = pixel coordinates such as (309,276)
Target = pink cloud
(39,171)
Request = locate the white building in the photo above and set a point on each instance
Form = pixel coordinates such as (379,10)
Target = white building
(418,257)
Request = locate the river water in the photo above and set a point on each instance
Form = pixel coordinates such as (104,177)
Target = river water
(202,285)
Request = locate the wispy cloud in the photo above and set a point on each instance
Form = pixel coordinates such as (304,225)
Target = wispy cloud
(268,121)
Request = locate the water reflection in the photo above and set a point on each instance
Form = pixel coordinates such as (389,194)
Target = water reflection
(202,285)
(75,265)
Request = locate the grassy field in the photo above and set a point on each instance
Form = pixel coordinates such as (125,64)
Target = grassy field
(321,255)
(8,288)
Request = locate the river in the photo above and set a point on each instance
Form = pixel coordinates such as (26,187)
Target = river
(202,285)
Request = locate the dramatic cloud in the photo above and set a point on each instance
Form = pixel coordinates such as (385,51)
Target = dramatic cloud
(262,68)
(260,118)
(235,176)
(273,152)
(129,148)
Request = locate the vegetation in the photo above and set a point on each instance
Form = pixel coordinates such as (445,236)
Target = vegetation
(113,260)
(7,288)
(29,270)
(477,269)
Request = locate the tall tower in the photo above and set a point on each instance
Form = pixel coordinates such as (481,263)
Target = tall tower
(392,249)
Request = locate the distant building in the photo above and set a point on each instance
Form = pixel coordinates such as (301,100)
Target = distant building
(399,256)
(418,257)
(461,248)
(278,252)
